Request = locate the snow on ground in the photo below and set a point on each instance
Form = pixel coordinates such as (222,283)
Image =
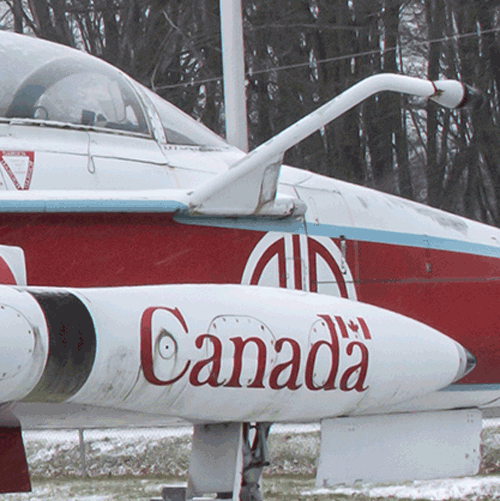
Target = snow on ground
(85,490)
(470,488)
(491,423)
(152,451)
(123,434)
(481,487)
(129,464)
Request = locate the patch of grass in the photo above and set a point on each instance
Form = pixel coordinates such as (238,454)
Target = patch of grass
(490,451)
(158,457)
(165,457)
(293,453)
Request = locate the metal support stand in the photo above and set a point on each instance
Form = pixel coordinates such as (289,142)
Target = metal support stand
(216,460)
(399,447)
(227,459)
(254,460)
(83,459)
(172,493)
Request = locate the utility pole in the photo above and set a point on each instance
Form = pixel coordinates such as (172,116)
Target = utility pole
(233,63)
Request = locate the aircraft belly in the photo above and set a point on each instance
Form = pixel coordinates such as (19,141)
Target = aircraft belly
(44,416)
(453,397)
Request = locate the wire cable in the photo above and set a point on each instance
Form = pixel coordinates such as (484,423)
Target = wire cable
(329,60)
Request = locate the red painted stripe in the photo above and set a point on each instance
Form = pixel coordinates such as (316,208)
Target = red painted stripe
(313,271)
(101,250)
(316,249)
(330,324)
(276,249)
(6,275)
(364,328)
(343,329)
(297,262)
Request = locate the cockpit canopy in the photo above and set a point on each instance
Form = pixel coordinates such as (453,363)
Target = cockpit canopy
(45,83)
(78,92)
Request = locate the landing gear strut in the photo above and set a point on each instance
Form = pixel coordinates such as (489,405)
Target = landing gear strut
(254,460)
(227,459)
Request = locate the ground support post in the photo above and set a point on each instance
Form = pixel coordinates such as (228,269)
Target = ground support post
(254,460)
(172,493)
(216,460)
(227,460)
(399,447)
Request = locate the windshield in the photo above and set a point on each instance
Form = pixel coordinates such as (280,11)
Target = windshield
(75,89)
(180,128)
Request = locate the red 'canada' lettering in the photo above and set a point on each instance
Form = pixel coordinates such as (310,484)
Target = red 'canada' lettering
(311,358)
(239,345)
(293,363)
(362,367)
(147,348)
(284,375)
(214,360)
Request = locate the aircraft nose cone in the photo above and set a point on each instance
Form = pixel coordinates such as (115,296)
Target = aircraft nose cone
(471,362)
(467,362)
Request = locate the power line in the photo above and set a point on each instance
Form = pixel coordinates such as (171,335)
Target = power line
(332,59)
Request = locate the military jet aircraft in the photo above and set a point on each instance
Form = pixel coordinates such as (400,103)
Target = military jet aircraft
(154,274)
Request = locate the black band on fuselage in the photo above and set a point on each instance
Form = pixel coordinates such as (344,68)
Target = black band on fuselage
(72,347)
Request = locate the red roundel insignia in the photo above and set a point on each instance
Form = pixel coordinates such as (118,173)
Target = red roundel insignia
(301,262)
(6,275)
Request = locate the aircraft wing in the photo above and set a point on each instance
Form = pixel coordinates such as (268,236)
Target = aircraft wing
(165,200)
(160,200)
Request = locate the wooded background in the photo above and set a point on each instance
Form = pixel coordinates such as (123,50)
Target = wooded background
(299,55)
